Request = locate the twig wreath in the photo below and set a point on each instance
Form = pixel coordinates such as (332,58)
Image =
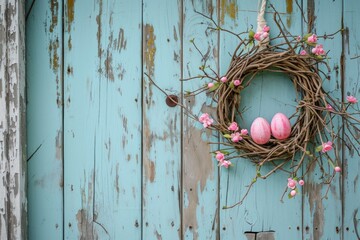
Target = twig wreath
(311,139)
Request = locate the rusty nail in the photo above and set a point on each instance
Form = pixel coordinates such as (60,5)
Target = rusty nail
(172,100)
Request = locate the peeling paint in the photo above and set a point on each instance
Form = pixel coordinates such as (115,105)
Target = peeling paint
(121,41)
(149,170)
(314,193)
(85,225)
(99,30)
(54,7)
(289,10)
(53,52)
(229,8)
(109,72)
(198,169)
(58,145)
(70,13)
(149,48)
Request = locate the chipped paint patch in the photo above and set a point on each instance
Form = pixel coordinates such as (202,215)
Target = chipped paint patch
(121,41)
(289,10)
(70,13)
(149,48)
(58,145)
(314,193)
(229,8)
(109,72)
(99,30)
(198,168)
(149,170)
(54,7)
(53,52)
(85,225)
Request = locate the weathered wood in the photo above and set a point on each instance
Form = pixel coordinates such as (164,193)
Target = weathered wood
(351,163)
(262,209)
(322,217)
(200,171)
(117,192)
(12,121)
(161,124)
(82,77)
(44,120)
(265,236)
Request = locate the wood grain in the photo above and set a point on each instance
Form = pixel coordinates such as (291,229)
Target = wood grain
(44,121)
(12,120)
(200,171)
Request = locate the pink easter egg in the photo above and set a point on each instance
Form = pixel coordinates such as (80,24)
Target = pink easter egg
(260,131)
(280,126)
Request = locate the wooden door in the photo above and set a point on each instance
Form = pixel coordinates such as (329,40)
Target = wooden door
(109,159)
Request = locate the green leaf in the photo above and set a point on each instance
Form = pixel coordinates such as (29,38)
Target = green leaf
(318,148)
(227,136)
(289,196)
(213,88)
(306,36)
(251,34)
(232,85)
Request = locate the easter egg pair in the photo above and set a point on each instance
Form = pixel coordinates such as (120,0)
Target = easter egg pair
(261,130)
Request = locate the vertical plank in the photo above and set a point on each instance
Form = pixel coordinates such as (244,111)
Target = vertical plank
(44,120)
(12,120)
(82,76)
(322,217)
(200,178)
(117,192)
(161,124)
(351,163)
(259,210)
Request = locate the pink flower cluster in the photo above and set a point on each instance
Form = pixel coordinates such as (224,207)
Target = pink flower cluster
(312,39)
(259,36)
(237,136)
(221,159)
(318,50)
(326,147)
(206,120)
(351,99)
(292,185)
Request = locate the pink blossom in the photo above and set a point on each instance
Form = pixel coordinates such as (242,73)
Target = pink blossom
(326,147)
(312,39)
(244,132)
(210,85)
(237,82)
(298,38)
(264,35)
(337,169)
(205,120)
(301,182)
(220,156)
(329,107)
(303,52)
(318,50)
(236,137)
(351,99)
(257,36)
(266,28)
(233,127)
(293,193)
(291,183)
(223,79)
(225,163)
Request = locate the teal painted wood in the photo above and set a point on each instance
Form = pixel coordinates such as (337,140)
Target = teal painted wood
(200,171)
(262,209)
(117,193)
(161,124)
(82,78)
(351,164)
(44,121)
(322,217)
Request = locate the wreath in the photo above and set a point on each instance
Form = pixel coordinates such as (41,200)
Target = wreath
(302,58)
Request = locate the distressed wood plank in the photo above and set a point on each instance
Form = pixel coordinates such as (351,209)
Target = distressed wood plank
(262,209)
(118,169)
(322,217)
(12,121)
(200,178)
(161,124)
(351,163)
(82,77)
(44,120)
